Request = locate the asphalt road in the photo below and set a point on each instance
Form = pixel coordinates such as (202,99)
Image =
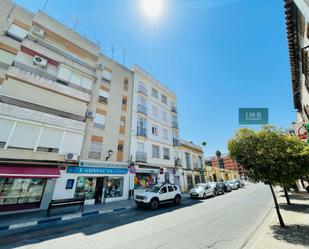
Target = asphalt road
(225,221)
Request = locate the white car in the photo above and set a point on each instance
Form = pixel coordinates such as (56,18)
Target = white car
(157,195)
(232,184)
(203,190)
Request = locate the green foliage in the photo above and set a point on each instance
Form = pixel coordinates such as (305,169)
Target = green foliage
(270,155)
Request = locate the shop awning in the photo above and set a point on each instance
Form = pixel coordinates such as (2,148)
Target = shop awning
(29,171)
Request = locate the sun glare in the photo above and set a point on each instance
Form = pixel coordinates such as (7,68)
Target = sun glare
(152,8)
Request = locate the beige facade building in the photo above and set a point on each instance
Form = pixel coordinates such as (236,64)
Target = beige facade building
(65,114)
(191,161)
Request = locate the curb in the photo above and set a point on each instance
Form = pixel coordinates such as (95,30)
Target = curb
(65,217)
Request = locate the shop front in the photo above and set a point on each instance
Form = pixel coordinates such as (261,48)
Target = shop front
(24,187)
(98,183)
(145,177)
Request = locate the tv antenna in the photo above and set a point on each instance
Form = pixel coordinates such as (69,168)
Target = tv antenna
(75,19)
(113,50)
(44,6)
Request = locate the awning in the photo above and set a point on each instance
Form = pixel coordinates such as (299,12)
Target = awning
(8,171)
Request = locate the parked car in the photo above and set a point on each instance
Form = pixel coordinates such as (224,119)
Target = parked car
(226,187)
(157,195)
(218,188)
(202,190)
(232,184)
(240,183)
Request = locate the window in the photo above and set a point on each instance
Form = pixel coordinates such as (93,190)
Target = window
(5,129)
(188,159)
(17,33)
(21,190)
(142,122)
(85,186)
(124,103)
(175,187)
(154,93)
(163,99)
(154,111)
(165,133)
(155,130)
(99,120)
(114,187)
(166,153)
(125,84)
(95,150)
(120,147)
(72,142)
(122,121)
(103,96)
(164,116)
(155,151)
(107,75)
(50,140)
(140,147)
(163,190)
(170,189)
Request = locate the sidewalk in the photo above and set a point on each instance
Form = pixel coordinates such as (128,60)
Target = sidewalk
(296,218)
(21,220)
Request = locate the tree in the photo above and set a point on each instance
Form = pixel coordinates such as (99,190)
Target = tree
(270,156)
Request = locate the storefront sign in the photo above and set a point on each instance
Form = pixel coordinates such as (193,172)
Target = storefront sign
(97,171)
(88,163)
(253,116)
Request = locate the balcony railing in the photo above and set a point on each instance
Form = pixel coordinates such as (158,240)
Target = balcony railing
(176,142)
(174,109)
(175,124)
(141,131)
(142,109)
(141,157)
(142,89)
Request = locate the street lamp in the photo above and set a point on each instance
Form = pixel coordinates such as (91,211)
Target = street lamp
(109,154)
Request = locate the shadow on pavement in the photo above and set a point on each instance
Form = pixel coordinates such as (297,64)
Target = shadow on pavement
(301,208)
(87,225)
(297,196)
(294,234)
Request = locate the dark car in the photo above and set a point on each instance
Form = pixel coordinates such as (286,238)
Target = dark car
(219,189)
(226,187)
(239,183)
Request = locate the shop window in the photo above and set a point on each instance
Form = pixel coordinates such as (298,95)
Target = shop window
(85,186)
(144,180)
(114,187)
(14,191)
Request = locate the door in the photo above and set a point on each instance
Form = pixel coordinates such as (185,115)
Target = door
(99,190)
(163,194)
(190,182)
(171,192)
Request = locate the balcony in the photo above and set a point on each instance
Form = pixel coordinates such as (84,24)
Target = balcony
(174,109)
(141,157)
(196,165)
(142,89)
(174,124)
(141,131)
(142,109)
(176,142)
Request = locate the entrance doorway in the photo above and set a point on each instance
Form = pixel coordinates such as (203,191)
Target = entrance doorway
(215,177)
(99,190)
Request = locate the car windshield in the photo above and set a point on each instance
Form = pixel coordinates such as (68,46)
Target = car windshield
(198,186)
(154,189)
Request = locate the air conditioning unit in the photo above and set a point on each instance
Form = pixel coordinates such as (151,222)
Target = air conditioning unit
(38,32)
(71,157)
(90,114)
(37,60)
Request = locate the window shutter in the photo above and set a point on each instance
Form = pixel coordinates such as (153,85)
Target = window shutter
(51,138)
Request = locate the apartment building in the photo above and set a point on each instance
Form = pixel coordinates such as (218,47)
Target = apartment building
(154,132)
(102,175)
(65,114)
(297,19)
(190,159)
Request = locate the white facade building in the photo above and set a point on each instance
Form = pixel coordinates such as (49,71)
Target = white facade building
(154,132)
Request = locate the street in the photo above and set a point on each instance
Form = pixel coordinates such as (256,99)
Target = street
(226,221)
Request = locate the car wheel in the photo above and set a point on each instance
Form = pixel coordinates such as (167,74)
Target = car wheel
(177,200)
(154,204)
(213,194)
(139,205)
(204,196)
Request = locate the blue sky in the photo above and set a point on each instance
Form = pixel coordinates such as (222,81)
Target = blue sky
(217,55)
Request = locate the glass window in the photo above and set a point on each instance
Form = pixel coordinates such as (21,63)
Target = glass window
(166,153)
(175,187)
(155,130)
(85,186)
(154,111)
(154,93)
(165,133)
(170,189)
(114,187)
(99,120)
(95,150)
(163,99)
(144,180)
(20,190)
(163,190)
(107,75)
(164,116)
(155,151)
